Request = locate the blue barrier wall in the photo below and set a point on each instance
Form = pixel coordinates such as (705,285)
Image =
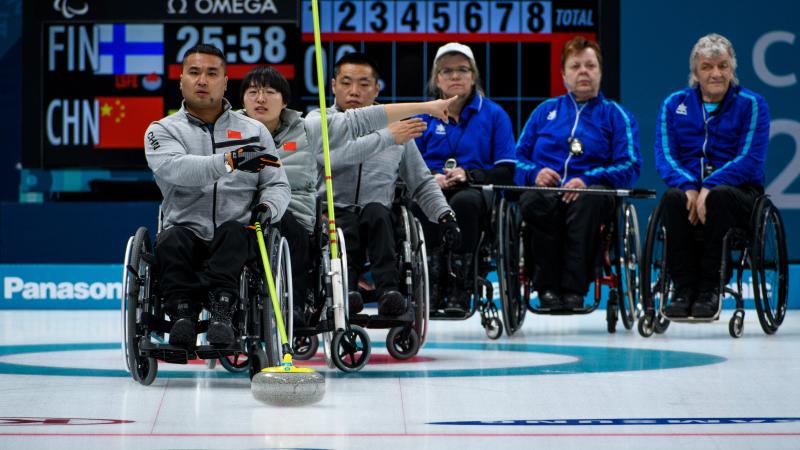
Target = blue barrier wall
(99,286)
(86,232)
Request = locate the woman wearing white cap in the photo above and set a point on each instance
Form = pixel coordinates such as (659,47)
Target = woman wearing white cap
(475,146)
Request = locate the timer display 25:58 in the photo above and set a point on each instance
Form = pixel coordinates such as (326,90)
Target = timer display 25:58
(241,44)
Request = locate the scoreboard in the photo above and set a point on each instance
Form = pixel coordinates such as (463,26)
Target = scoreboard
(97,73)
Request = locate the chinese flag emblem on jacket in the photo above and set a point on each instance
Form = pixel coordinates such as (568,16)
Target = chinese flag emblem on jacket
(123,120)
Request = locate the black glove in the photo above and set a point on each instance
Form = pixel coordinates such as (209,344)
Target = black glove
(262,214)
(451,234)
(251,158)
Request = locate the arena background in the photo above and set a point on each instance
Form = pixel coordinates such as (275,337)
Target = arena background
(54,229)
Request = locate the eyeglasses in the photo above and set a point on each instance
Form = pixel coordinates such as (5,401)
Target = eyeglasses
(265,92)
(448,72)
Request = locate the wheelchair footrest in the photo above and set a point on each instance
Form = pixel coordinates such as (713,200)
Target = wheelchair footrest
(214,352)
(441,315)
(564,312)
(379,321)
(175,354)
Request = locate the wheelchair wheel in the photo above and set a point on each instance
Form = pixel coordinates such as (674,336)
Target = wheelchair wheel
(305,347)
(653,274)
(661,324)
(327,336)
(736,324)
(235,364)
(350,349)
(510,244)
(645,326)
(330,311)
(402,342)
(136,302)
(770,266)
(421,287)
(257,359)
(494,328)
(629,306)
(614,304)
(271,335)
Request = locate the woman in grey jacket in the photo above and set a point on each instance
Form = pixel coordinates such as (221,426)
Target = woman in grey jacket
(265,94)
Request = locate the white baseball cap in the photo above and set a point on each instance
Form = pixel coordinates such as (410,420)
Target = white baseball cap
(455,47)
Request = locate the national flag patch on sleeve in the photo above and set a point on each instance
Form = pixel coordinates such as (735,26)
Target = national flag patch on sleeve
(233,134)
(290,146)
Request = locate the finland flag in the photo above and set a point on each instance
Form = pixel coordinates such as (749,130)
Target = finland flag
(126,49)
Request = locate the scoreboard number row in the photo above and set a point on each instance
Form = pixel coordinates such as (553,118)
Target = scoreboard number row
(400,16)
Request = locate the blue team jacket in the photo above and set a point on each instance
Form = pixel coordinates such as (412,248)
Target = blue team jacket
(735,136)
(481,139)
(608,132)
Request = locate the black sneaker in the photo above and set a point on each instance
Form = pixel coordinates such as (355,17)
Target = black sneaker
(573,300)
(681,303)
(706,305)
(549,299)
(392,303)
(455,305)
(184,321)
(355,303)
(220,328)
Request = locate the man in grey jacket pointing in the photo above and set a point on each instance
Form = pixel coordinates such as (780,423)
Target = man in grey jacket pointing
(213,167)
(365,173)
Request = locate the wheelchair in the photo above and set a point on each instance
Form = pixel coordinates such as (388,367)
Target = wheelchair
(481,291)
(761,249)
(346,345)
(617,264)
(407,332)
(144,322)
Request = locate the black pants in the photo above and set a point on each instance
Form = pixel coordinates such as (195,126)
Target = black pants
(698,265)
(471,209)
(370,231)
(189,267)
(299,242)
(564,238)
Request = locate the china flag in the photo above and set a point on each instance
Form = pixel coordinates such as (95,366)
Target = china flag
(123,120)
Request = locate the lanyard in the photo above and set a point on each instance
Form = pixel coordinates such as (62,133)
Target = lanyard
(572,138)
(463,130)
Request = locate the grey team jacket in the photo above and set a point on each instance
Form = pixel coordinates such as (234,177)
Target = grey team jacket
(189,167)
(294,138)
(300,163)
(380,162)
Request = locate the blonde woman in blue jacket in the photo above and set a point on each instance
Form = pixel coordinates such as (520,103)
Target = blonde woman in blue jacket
(577,140)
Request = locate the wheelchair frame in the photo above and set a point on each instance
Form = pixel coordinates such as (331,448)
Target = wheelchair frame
(617,265)
(750,246)
(484,261)
(143,324)
(408,332)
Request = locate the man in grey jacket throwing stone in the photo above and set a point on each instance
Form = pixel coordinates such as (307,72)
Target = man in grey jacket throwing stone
(365,173)
(214,167)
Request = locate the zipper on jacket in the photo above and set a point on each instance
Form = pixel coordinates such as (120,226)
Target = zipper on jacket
(706,118)
(572,135)
(358,184)
(214,196)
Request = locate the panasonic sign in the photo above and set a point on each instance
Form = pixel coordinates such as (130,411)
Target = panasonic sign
(61,286)
(64,290)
